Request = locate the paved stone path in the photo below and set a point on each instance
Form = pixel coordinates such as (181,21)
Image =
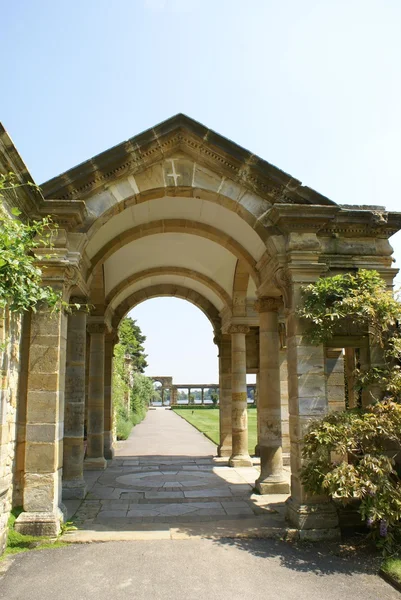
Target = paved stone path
(190,570)
(165,488)
(165,476)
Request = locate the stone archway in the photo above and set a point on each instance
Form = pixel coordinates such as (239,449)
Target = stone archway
(182,211)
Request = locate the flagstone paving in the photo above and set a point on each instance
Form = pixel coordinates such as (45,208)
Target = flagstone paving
(167,474)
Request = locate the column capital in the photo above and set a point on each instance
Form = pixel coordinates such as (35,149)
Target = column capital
(97,328)
(268,304)
(239,329)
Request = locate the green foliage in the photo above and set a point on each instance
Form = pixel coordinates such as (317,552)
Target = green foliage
(363,299)
(215,398)
(348,453)
(20,277)
(360,297)
(132,339)
(392,566)
(141,395)
(348,458)
(131,393)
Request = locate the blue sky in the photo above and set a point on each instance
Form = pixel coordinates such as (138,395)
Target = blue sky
(311,86)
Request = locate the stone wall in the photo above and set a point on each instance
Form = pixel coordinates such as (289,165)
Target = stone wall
(10,342)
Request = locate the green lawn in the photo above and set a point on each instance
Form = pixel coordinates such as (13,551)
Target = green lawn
(207,421)
(392,566)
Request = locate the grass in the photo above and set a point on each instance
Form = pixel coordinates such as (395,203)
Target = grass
(16,542)
(207,421)
(392,567)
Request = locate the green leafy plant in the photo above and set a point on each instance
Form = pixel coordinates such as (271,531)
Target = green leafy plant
(135,387)
(21,286)
(347,458)
(350,455)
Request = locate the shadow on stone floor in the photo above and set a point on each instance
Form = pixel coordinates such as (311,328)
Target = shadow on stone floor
(143,490)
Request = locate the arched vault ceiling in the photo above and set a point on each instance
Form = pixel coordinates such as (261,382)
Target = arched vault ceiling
(180,250)
(169,280)
(187,274)
(175,291)
(191,209)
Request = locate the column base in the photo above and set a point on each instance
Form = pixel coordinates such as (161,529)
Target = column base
(240,460)
(74,488)
(109,453)
(95,464)
(39,523)
(272,486)
(315,521)
(224,451)
(108,449)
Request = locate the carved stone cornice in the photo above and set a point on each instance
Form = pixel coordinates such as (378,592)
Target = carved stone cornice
(268,304)
(290,218)
(182,134)
(97,328)
(239,329)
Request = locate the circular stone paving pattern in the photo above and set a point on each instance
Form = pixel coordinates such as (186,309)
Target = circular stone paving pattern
(177,480)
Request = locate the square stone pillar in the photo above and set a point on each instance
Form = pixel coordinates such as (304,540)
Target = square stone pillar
(42,506)
(285,434)
(73,452)
(95,451)
(350,366)
(225,421)
(315,516)
(240,455)
(335,379)
(111,340)
(257,449)
(272,479)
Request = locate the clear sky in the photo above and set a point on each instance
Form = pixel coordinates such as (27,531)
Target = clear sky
(312,86)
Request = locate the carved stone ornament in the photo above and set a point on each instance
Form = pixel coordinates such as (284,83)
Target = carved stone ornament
(239,329)
(97,328)
(282,279)
(217,339)
(268,304)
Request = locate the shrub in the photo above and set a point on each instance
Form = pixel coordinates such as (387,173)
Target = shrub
(347,453)
(348,458)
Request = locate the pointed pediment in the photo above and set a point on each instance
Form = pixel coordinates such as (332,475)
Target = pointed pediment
(183,139)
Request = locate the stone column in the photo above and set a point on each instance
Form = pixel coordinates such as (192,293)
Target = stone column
(202,396)
(315,516)
(225,400)
(73,452)
(335,379)
(240,455)
(95,452)
(285,434)
(42,506)
(257,449)
(272,479)
(111,339)
(350,366)
(173,396)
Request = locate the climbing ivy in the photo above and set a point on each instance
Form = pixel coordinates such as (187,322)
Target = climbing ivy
(21,286)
